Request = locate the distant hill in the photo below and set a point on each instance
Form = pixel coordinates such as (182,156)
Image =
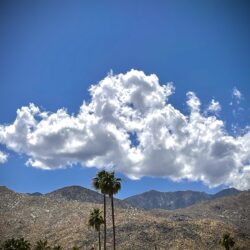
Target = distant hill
(80,194)
(226,192)
(174,200)
(76,193)
(35,194)
(62,221)
(232,209)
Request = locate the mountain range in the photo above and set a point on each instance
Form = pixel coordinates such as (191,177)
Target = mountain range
(61,218)
(174,200)
(148,200)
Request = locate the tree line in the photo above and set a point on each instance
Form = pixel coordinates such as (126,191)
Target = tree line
(22,244)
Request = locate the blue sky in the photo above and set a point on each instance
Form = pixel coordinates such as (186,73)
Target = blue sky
(51,53)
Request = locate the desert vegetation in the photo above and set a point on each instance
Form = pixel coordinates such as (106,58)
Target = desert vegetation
(22,244)
(95,221)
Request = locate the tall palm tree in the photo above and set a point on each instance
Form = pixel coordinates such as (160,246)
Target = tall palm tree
(112,185)
(227,241)
(98,185)
(96,220)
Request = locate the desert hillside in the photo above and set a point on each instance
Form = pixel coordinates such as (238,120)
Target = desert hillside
(174,200)
(64,222)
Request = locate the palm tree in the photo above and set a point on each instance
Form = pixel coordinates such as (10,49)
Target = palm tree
(227,241)
(16,244)
(111,186)
(42,245)
(96,220)
(98,185)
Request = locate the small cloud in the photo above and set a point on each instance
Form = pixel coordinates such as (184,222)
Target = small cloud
(214,106)
(193,102)
(3,157)
(237,95)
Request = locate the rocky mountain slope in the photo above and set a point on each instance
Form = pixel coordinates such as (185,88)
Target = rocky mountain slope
(225,192)
(76,193)
(174,200)
(64,222)
(81,194)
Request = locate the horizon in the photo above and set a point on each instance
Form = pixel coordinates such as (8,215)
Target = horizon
(158,92)
(123,198)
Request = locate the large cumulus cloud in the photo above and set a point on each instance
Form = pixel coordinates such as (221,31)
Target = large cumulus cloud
(130,124)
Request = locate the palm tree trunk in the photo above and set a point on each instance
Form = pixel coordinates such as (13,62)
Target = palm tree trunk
(104,215)
(113,220)
(99,237)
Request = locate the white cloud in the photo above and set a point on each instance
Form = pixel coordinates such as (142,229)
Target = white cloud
(214,106)
(237,95)
(3,157)
(169,143)
(237,98)
(193,102)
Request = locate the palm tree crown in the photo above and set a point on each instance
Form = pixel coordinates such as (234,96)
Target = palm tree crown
(95,219)
(98,181)
(111,184)
(20,244)
(42,245)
